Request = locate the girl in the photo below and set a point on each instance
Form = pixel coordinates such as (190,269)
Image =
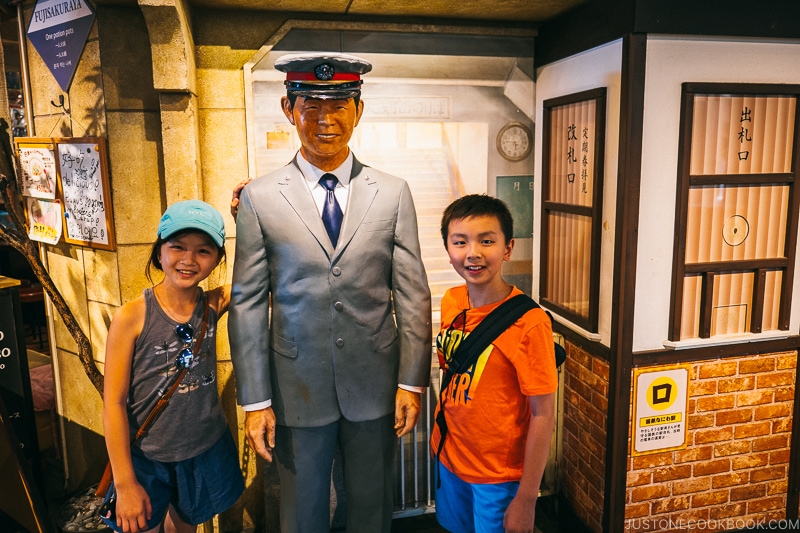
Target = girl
(185,469)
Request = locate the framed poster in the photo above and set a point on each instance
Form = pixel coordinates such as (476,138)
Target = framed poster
(79,166)
(84,191)
(37,160)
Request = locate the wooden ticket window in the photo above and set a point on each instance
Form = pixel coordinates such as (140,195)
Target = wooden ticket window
(737,209)
(572,187)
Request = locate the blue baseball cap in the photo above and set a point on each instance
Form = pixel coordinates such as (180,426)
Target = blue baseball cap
(192,214)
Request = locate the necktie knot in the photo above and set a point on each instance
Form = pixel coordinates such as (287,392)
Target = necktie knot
(328,181)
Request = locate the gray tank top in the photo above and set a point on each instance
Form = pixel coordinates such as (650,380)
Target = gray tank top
(193,419)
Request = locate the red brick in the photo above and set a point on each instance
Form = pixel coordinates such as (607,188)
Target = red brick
(780,486)
(651,461)
(728,511)
(639,477)
(636,510)
(748,492)
(757,365)
(732,448)
(700,421)
(712,467)
(716,370)
(775,379)
(737,384)
(649,492)
(756,429)
(688,486)
(705,436)
(695,453)
(770,443)
(779,457)
(670,473)
(766,474)
(750,461)
(759,397)
(710,498)
(582,389)
(784,394)
(765,504)
(716,403)
(785,362)
(670,505)
(782,426)
(601,368)
(702,388)
(736,416)
(730,479)
(775,410)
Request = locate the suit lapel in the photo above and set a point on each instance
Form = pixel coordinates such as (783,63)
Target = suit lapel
(295,190)
(363,188)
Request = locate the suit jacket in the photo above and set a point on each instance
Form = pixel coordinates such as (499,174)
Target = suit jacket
(347,324)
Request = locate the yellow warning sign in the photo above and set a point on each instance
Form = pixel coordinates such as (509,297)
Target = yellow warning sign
(660,396)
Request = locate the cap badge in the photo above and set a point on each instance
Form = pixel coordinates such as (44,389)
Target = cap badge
(324,72)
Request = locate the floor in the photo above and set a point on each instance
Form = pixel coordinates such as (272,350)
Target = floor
(552,516)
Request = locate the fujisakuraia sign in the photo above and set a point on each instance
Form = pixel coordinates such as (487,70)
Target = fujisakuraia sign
(58,30)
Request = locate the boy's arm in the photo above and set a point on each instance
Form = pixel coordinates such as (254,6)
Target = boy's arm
(521,511)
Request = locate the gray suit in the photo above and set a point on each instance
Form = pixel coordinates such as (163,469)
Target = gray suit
(332,347)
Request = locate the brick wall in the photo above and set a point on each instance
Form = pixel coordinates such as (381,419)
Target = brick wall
(734,470)
(584,437)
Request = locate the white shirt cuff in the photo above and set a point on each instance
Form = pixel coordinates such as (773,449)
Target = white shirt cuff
(411,388)
(257,406)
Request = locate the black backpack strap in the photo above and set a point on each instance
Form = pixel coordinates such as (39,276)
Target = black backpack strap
(495,323)
(473,345)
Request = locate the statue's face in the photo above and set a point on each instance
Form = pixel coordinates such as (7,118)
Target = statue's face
(324,128)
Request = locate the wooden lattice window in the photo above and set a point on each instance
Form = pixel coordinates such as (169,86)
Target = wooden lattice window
(736,216)
(572,187)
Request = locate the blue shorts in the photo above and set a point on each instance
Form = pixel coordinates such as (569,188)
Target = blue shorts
(198,488)
(472,507)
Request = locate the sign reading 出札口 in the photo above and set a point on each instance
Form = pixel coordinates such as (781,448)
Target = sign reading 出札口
(58,30)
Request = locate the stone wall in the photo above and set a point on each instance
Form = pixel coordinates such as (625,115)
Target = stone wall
(584,438)
(734,470)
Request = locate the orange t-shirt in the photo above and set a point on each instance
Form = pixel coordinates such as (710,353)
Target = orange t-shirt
(486,407)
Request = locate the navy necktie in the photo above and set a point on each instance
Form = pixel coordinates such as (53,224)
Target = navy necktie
(331,212)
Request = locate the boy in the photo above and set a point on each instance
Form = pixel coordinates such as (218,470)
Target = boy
(500,411)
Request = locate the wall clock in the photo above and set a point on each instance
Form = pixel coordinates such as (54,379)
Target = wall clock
(515,141)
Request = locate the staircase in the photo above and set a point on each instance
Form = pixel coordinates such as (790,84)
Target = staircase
(427,175)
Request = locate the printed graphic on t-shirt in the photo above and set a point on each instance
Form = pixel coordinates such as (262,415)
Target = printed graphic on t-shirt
(193,379)
(462,386)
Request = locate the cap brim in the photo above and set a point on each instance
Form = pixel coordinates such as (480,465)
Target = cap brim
(168,232)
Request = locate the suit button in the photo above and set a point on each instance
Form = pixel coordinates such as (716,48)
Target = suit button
(338,306)
(339,342)
(337,271)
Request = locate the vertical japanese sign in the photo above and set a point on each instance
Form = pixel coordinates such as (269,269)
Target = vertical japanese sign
(660,397)
(58,30)
(517,193)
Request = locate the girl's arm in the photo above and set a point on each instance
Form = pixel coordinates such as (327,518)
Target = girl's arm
(133,505)
(220,299)
(521,511)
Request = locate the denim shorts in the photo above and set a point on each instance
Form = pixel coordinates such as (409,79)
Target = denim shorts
(198,488)
(472,507)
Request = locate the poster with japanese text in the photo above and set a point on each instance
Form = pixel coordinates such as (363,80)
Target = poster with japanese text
(38,165)
(44,220)
(660,397)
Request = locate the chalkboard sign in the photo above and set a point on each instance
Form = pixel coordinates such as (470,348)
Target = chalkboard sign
(15,382)
(517,193)
(83,183)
